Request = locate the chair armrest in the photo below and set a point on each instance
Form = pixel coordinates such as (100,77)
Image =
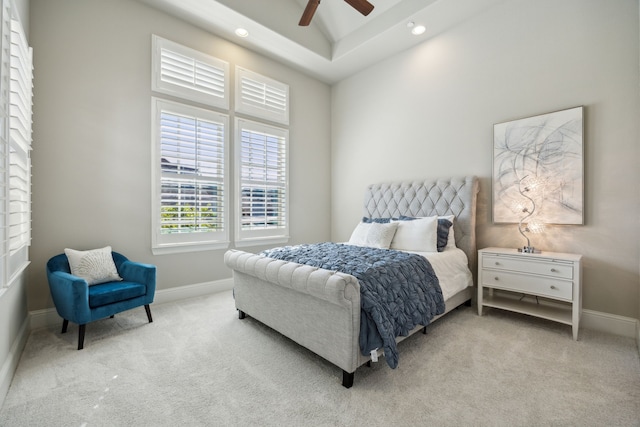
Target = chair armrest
(138,272)
(71,296)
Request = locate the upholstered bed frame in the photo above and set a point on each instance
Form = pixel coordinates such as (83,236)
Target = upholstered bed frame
(320,309)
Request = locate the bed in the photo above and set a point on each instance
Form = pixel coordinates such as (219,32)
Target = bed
(320,308)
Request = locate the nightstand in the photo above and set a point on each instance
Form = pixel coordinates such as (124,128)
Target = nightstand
(546,285)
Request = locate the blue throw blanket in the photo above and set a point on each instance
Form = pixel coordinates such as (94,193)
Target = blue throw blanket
(398,290)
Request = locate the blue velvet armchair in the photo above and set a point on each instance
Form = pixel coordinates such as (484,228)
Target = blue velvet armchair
(80,303)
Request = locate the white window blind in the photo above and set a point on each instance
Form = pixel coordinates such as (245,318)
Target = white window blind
(191,194)
(20,96)
(20,203)
(261,97)
(261,182)
(189,74)
(5,43)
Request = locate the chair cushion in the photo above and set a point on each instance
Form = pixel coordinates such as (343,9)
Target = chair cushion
(113,292)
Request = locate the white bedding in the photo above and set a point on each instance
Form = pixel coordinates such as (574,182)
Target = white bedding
(452,268)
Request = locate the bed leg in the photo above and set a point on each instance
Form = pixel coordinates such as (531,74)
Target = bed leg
(368,363)
(241,314)
(347,379)
(424,330)
(468,302)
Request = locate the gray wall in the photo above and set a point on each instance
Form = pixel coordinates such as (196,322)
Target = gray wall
(92,137)
(430,111)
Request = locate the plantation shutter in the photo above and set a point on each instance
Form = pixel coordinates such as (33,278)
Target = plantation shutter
(21,89)
(263,181)
(261,97)
(191,160)
(187,73)
(5,42)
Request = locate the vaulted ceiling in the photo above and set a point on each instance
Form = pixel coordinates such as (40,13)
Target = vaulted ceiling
(338,43)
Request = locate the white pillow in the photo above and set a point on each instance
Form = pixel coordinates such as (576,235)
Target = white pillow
(95,266)
(418,235)
(373,234)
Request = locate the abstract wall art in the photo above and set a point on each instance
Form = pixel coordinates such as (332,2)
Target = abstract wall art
(547,148)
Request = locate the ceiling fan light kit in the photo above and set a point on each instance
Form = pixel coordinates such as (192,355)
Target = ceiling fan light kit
(362,6)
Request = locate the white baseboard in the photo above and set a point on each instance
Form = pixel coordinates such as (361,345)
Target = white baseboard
(610,323)
(49,317)
(11,362)
(190,291)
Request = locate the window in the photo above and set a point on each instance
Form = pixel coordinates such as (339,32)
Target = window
(190,146)
(190,178)
(261,183)
(189,74)
(190,154)
(20,107)
(5,42)
(261,97)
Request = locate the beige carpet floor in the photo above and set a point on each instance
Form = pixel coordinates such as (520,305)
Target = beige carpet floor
(197,364)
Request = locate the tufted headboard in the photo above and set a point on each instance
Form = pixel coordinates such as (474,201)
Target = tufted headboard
(445,196)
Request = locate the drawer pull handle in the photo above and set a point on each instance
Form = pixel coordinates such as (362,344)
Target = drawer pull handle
(553,287)
(497,263)
(553,270)
(495,278)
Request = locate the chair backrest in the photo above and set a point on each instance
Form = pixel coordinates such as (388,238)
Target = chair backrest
(58,263)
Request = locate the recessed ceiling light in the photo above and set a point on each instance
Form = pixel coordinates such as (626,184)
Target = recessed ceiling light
(241,32)
(418,29)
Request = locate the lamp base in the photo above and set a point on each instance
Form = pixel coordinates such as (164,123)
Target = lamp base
(529,250)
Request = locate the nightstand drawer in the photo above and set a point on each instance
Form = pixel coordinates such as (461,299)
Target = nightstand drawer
(541,286)
(532,265)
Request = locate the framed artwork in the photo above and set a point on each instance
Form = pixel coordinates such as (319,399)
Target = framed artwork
(548,149)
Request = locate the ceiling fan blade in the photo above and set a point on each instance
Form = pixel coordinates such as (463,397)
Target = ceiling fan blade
(362,6)
(308,12)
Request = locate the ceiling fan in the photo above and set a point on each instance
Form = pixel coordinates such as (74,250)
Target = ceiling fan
(362,6)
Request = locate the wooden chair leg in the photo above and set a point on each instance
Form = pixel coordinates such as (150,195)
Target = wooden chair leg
(148,310)
(81,337)
(65,324)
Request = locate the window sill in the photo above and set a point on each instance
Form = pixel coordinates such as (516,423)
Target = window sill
(176,249)
(261,241)
(14,277)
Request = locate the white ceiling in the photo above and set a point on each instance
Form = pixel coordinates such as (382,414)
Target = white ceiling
(338,43)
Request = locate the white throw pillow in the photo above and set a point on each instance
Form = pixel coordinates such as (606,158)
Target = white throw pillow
(359,234)
(95,266)
(373,234)
(418,235)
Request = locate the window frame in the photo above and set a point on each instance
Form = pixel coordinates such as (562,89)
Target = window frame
(267,235)
(264,99)
(194,91)
(279,94)
(18,223)
(185,242)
